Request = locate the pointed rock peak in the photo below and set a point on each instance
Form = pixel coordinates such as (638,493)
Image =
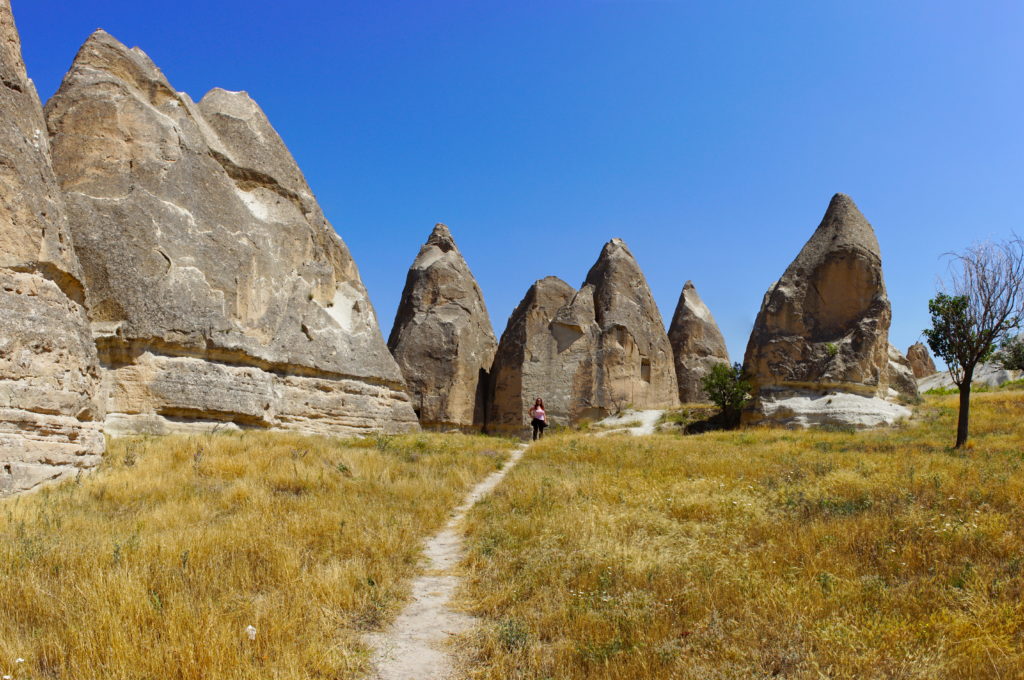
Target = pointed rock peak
(442,238)
(688,286)
(103,52)
(614,247)
(12,68)
(844,226)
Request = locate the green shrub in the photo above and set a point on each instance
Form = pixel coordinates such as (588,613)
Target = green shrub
(728,390)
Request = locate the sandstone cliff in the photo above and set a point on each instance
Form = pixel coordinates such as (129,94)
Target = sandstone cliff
(50,422)
(697,344)
(442,337)
(218,293)
(819,351)
(587,353)
(902,382)
(920,360)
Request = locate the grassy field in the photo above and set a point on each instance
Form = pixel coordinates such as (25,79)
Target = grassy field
(758,553)
(154,566)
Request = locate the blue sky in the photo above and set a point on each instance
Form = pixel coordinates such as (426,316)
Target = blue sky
(708,135)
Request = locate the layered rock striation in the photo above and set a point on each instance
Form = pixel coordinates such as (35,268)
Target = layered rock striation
(697,344)
(920,360)
(819,350)
(50,421)
(587,353)
(442,337)
(218,293)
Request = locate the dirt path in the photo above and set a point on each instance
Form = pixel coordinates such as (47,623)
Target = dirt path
(413,649)
(638,423)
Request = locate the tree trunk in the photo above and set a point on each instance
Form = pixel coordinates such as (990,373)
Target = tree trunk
(965,408)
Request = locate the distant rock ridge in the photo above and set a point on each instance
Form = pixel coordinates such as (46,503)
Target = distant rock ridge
(587,353)
(697,344)
(218,293)
(442,337)
(823,331)
(50,421)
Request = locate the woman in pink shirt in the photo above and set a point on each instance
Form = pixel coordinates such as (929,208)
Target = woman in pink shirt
(540,419)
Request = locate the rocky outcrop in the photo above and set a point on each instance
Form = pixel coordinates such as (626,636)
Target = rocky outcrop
(920,360)
(587,353)
(989,374)
(218,293)
(442,337)
(822,331)
(902,383)
(697,344)
(50,423)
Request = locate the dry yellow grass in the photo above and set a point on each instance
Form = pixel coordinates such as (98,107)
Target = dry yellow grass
(153,566)
(758,553)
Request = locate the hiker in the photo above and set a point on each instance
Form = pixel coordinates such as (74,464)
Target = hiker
(540,419)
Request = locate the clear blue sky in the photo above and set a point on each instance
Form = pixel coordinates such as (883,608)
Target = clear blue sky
(709,135)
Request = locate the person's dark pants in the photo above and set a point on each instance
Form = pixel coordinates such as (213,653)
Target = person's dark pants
(538,428)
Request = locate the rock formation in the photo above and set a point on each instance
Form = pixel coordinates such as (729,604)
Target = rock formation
(50,424)
(902,382)
(538,356)
(920,360)
(697,344)
(989,374)
(587,353)
(634,357)
(218,293)
(442,337)
(819,351)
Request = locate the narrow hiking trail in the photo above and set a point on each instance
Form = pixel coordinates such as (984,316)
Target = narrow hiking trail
(413,648)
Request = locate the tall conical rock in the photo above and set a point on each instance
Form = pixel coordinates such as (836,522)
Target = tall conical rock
(587,353)
(546,351)
(218,292)
(819,351)
(697,344)
(442,336)
(920,360)
(634,358)
(50,424)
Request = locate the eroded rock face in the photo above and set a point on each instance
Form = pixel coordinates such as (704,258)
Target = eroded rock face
(587,353)
(823,330)
(697,344)
(442,337)
(901,376)
(50,423)
(920,360)
(218,292)
(539,357)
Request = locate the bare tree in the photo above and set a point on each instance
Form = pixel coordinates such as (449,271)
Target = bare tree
(985,304)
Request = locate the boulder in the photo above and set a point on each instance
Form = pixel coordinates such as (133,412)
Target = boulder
(920,360)
(823,331)
(50,421)
(587,353)
(442,337)
(218,293)
(697,344)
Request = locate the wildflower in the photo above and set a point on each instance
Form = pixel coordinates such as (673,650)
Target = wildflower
(251,632)
(19,660)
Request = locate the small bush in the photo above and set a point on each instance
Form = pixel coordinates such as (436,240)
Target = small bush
(728,390)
